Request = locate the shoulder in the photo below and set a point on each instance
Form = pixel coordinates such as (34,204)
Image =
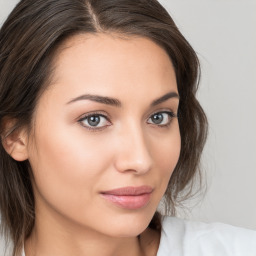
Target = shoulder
(188,238)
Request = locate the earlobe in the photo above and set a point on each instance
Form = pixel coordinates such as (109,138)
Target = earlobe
(15,144)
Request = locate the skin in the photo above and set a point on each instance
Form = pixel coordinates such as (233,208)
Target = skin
(72,164)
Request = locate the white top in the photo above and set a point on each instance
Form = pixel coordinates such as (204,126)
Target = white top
(188,238)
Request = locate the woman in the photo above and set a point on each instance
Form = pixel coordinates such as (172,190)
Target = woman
(99,121)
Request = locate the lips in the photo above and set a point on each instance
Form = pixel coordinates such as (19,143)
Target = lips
(129,191)
(129,197)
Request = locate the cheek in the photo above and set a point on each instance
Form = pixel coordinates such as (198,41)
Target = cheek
(67,168)
(166,155)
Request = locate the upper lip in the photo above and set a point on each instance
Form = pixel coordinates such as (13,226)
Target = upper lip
(129,191)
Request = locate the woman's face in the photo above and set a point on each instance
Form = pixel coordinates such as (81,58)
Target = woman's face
(107,121)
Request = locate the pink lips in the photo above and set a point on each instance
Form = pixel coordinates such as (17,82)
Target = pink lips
(129,197)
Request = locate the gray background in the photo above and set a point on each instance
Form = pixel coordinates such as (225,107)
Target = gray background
(224,36)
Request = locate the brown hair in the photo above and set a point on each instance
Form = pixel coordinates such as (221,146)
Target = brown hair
(28,40)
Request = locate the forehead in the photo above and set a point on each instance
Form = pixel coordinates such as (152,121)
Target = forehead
(112,64)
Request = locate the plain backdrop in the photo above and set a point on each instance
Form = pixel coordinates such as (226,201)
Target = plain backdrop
(224,36)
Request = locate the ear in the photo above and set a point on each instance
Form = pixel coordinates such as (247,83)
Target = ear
(15,143)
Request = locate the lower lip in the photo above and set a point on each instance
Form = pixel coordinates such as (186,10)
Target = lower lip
(129,202)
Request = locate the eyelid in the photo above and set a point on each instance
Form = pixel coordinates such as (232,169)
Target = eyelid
(100,113)
(167,111)
(92,113)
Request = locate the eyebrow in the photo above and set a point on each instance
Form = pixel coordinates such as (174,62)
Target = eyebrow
(164,98)
(117,103)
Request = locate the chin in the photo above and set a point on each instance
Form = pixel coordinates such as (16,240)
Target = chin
(130,225)
(129,231)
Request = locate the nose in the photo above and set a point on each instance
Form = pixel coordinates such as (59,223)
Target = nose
(133,151)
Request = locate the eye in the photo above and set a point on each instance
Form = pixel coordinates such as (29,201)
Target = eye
(161,118)
(94,121)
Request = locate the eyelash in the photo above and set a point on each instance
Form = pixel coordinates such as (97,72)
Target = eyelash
(171,115)
(95,129)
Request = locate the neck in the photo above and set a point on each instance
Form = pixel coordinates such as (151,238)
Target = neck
(70,245)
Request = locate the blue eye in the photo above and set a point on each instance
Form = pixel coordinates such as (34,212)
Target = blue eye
(94,121)
(161,118)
